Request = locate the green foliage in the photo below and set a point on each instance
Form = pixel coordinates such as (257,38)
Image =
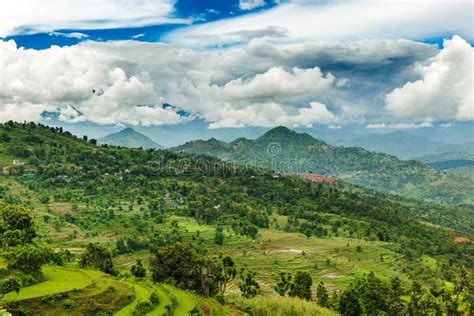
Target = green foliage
(9,285)
(28,258)
(17,226)
(175,264)
(283,283)
(98,257)
(136,194)
(248,286)
(181,265)
(280,306)
(301,285)
(17,232)
(322,295)
(219,236)
(147,306)
(226,273)
(138,270)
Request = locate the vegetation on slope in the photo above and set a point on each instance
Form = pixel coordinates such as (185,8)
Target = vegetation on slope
(284,150)
(140,204)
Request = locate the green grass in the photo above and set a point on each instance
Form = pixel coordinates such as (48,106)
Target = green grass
(59,279)
(142,293)
(185,301)
(165,300)
(281,306)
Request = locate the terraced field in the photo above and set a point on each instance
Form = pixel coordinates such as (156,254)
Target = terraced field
(80,287)
(59,280)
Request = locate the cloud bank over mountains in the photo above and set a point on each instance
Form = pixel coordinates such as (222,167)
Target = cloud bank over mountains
(257,84)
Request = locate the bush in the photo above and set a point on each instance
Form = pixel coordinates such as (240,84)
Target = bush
(68,303)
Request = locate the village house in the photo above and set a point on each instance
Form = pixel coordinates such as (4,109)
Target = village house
(17,162)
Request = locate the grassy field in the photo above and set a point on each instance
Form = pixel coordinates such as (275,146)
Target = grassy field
(59,279)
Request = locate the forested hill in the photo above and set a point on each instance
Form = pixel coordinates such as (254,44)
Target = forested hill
(60,164)
(284,150)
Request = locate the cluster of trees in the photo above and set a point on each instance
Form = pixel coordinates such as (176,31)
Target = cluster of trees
(98,257)
(183,265)
(18,239)
(372,295)
(298,285)
(24,253)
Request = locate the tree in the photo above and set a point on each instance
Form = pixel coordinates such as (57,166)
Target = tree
(208,273)
(9,285)
(457,297)
(283,283)
(97,256)
(17,225)
(248,286)
(18,231)
(368,294)
(227,273)
(219,236)
(121,246)
(375,294)
(301,285)
(5,138)
(416,295)
(138,270)
(349,303)
(322,295)
(28,258)
(176,264)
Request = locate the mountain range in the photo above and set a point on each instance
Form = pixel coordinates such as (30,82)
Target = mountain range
(287,151)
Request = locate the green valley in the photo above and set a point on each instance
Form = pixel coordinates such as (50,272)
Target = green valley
(103,230)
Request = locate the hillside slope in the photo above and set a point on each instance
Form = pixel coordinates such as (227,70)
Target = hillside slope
(453,162)
(283,150)
(140,204)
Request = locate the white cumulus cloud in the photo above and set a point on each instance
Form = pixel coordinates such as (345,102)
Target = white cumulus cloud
(446,87)
(250,4)
(258,84)
(19,16)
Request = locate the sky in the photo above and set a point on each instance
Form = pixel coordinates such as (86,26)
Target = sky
(236,64)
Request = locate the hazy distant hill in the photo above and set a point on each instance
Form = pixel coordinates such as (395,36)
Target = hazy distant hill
(406,145)
(284,150)
(455,162)
(129,138)
(401,144)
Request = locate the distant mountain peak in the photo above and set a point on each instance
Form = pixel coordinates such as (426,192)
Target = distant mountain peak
(279,130)
(128,130)
(284,134)
(128,137)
